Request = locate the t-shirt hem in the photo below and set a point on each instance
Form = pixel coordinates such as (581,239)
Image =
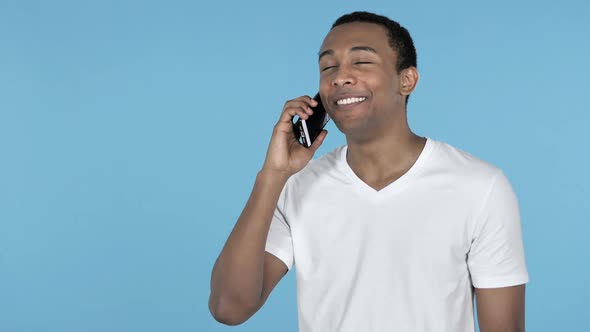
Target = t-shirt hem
(280,254)
(501,282)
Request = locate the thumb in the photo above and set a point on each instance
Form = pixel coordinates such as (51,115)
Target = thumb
(318,141)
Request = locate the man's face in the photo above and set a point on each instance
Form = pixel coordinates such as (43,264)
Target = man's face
(359,83)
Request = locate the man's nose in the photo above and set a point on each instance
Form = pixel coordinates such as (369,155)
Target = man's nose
(343,76)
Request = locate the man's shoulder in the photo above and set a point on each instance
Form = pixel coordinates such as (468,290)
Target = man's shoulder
(328,160)
(455,161)
(325,165)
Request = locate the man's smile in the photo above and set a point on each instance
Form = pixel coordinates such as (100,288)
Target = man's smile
(348,101)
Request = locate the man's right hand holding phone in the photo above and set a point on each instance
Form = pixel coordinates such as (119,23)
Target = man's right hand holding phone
(285,155)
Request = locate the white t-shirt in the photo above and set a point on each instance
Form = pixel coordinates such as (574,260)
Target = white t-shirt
(403,258)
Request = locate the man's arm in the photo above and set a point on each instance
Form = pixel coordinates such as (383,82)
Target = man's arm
(244,274)
(501,309)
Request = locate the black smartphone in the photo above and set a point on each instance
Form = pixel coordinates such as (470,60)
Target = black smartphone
(306,131)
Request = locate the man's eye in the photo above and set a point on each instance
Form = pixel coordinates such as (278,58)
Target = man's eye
(362,62)
(327,67)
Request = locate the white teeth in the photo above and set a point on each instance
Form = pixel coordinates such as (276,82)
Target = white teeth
(348,101)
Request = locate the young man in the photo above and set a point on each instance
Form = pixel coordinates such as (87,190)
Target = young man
(391,232)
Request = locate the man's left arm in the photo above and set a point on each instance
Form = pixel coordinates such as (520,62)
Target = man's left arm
(501,309)
(496,261)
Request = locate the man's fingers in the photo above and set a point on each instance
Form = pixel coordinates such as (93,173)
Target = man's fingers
(289,113)
(296,107)
(304,105)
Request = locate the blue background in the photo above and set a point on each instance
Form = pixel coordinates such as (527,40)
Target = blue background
(131,133)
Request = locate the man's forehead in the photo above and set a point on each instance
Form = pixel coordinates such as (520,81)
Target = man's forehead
(353,34)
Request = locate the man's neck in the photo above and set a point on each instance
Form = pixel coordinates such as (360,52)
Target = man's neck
(383,160)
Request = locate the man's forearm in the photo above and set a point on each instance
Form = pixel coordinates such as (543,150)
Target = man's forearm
(237,277)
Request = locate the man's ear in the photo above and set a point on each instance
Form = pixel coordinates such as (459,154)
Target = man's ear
(408,80)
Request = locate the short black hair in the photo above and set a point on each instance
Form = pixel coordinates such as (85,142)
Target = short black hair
(399,38)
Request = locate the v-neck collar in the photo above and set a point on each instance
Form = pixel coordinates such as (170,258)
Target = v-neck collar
(395,186)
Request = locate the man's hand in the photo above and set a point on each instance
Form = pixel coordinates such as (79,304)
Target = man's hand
(285,154)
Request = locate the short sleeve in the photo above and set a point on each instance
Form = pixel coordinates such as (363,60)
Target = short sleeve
(279,242)
(496,257)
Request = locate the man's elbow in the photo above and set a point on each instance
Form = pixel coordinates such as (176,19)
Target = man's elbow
(231,312)
(504,328)
(519,328)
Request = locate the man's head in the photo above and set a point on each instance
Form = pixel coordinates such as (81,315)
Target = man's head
(399,38)
(367,71)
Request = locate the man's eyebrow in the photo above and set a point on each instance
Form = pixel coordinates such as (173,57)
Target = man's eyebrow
(352,49)
(324,53)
